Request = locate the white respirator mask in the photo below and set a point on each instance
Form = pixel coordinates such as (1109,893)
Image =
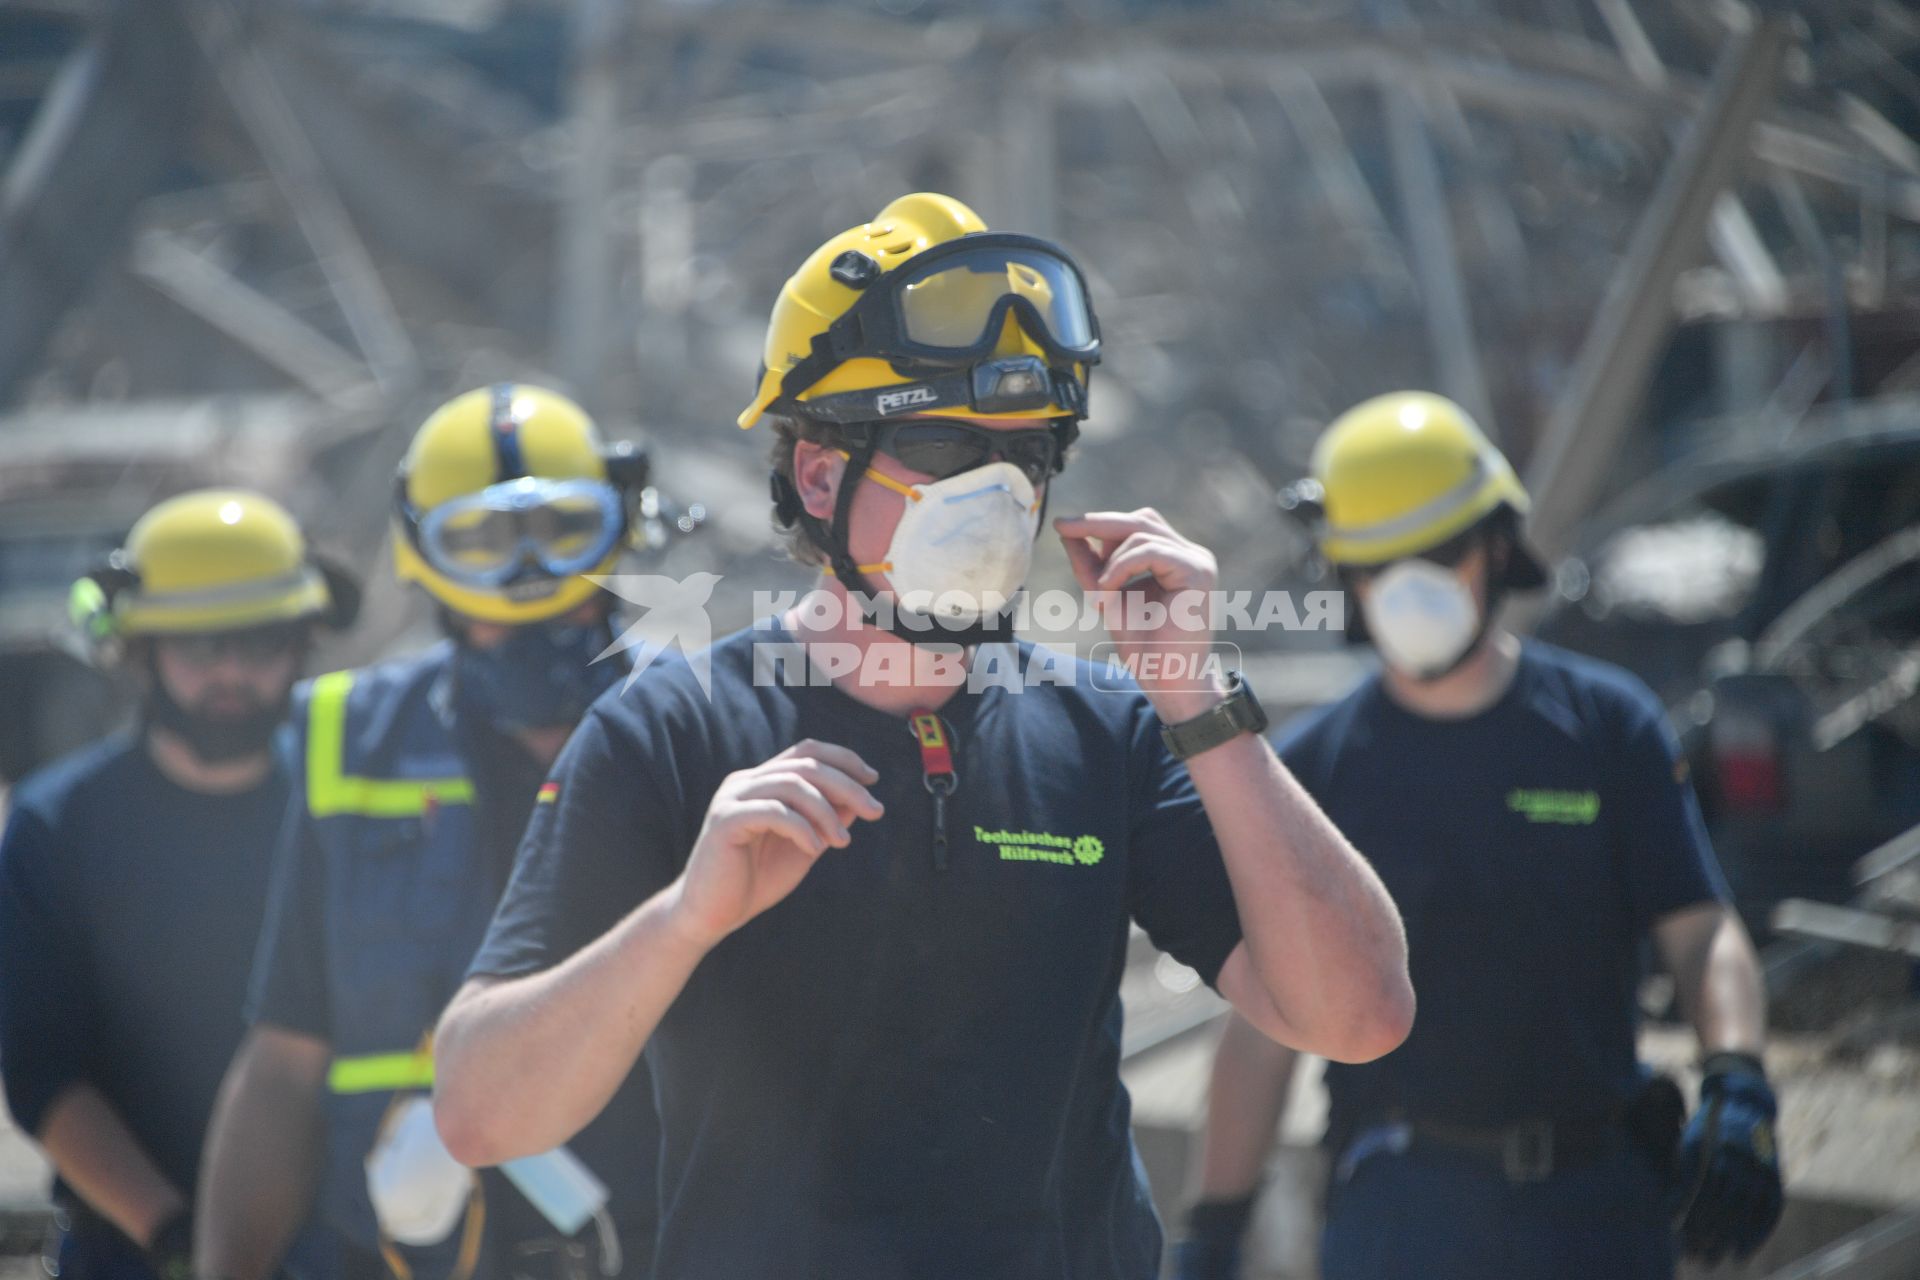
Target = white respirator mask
(1422,618)
(963,548)
(418,1189)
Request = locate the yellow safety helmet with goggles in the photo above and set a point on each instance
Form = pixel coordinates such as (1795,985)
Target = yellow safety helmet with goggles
(920,315)
(506,498)
(925,312)
(1402,474)
(211,560)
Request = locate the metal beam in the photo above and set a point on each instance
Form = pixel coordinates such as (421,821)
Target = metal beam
(1838,325)
(1736,241)
(1738,245)
(1848,926)
(225,38)
(1890,857)
(1608,380)
(583,311)
(1520,79)
(1880,133)
(1030,159)
(1334,167)
(1636,50)
(248,317)
(107,129)
(1428,218)
(1887,1248)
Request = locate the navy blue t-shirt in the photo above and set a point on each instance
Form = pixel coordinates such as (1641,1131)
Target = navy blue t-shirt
(129,908)
(901,1069)
(1529,848)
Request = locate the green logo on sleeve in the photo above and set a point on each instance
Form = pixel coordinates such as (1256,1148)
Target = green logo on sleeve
(1039,846)
(1572,808)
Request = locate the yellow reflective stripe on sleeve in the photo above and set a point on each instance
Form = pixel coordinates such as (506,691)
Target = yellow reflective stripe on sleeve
(378,1072)
(331,792)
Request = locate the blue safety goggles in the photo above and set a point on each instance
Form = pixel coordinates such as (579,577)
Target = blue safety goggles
(530,527)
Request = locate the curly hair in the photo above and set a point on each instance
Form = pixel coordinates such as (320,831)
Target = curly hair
(788,431)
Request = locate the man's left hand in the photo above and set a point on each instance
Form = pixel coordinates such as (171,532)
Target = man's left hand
(1729,1168)
(1156,587)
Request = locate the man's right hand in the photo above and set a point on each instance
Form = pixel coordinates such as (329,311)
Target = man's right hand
(764,828)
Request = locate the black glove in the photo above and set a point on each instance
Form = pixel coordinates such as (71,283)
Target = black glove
(170,1253)
(1728,1171)
(1210,1249)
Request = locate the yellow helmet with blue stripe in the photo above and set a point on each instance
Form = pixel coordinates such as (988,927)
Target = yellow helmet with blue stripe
(506,500)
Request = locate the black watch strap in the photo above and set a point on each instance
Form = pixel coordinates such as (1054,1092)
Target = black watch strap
(1730,1061)
(1239,712)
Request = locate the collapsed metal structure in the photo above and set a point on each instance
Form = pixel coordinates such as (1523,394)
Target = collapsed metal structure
(255,242)
(312,220)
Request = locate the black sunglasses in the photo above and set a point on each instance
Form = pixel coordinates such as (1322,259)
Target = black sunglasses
(254,646)
(943,449)
(1448,555)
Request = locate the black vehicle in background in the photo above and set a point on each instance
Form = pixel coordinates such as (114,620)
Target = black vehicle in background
(1773,601)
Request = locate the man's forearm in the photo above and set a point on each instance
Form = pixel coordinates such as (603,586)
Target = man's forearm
(262,1156)
(1248,1095)
(1323,936)
(522,1064)
(1718,982)
(98,1156)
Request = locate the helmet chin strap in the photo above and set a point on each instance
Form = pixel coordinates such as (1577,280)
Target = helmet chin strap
(830,536)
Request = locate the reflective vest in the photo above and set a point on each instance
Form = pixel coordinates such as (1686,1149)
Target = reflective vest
(408,897)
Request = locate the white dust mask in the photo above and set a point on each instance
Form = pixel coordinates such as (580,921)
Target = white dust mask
(961,551)
(418,1189)
(1422,618)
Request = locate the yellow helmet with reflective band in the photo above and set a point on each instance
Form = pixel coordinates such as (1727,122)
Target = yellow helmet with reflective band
(923,311)
(1403,473)
(211,560)
(505,499)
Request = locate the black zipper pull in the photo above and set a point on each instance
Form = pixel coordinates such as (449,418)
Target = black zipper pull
(941,789)
(936,770)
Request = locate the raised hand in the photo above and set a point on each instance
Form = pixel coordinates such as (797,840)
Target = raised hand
(1158,613)
(764,829)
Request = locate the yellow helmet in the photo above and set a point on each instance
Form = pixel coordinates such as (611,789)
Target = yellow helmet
(923,311)
(506,497)
(1403,473)
(211,560)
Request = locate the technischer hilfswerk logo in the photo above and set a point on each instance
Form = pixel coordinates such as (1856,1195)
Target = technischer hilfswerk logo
(1043,846)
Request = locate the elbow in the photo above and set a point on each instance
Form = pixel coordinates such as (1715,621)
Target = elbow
(1376,1030)
(470,1133)
(469,1129)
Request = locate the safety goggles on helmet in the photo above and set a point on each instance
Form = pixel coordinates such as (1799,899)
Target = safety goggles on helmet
(945,309)
(518,528)
(942,449)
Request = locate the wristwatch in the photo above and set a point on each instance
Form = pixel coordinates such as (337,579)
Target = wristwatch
(1239,712)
